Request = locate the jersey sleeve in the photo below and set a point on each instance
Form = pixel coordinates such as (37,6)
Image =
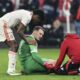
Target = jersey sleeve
(37,58)
(26,19)
(35,55)
(62,54)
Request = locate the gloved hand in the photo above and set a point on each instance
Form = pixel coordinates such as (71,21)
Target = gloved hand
(50,64)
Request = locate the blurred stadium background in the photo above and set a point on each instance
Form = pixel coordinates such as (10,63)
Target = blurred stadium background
(54,24)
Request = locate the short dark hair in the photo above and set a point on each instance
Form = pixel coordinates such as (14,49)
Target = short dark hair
(38,27)
(40,13)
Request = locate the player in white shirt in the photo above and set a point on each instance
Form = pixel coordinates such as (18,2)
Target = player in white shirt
(17,19)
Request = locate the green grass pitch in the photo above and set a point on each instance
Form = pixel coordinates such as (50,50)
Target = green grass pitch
(47,53)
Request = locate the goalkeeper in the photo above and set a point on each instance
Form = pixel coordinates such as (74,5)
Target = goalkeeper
(31,62)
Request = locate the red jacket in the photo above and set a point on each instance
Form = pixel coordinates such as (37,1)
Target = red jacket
(70,47)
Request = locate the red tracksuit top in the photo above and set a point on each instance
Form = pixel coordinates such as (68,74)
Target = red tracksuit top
(70,47)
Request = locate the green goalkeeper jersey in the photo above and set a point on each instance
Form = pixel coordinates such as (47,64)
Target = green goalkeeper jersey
(27,50)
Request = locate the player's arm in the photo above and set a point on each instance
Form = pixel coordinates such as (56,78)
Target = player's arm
(20,30)
(63,50)
(26,18)
(36,56)
(39,60)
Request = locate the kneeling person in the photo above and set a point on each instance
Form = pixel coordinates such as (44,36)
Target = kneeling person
(70,47)
(30,60)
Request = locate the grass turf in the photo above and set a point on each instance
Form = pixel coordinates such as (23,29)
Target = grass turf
(47,53)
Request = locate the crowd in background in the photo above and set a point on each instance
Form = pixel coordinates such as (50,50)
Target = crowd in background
(54,30)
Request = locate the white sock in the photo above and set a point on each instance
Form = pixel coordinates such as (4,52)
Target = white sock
(12,61)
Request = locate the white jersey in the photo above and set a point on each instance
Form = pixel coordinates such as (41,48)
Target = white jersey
(15,17)
(10,20)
